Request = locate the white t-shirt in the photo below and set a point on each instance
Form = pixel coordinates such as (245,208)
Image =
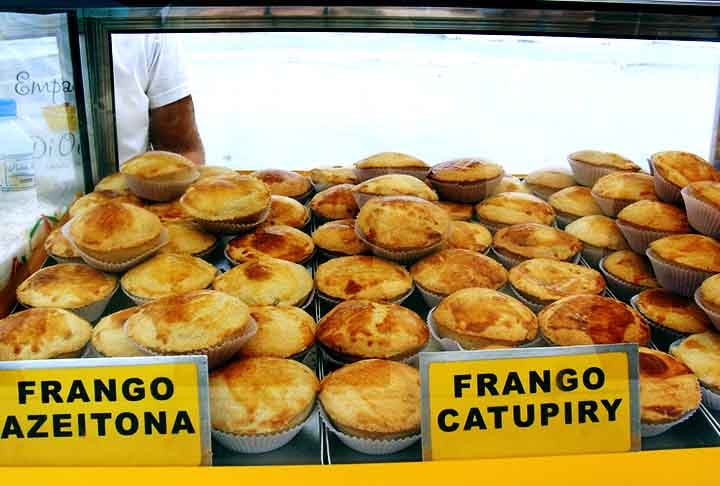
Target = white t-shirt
(148,73)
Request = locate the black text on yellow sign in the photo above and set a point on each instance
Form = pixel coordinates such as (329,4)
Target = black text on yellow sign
(137,411)
(530,402)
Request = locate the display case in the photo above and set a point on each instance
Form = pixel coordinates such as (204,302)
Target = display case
(296,88)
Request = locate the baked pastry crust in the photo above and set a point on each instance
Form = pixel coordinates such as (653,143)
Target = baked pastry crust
(266,281)
(284,182)
(362,329)
(160,166)
(551,178)
(598,230)
(390,160)
(514,208)
(575,201)
(706,191)
(227,197)
(626,185)
(403,223)
(116,231)
(189,322)
(339,237)
(336,202)
(396,185)
(668,388)
(187,238)
(288,211)
(333,176)
(672,311)
(693,251)
(373,398)
(511,184)
(66,285)
(469,236)
(710,292)
(592,319)
(450,270)
(701,353)
(545,280)
(262,395)
(168,274)
(277,241)
(682,168)
(532,240)
(212,171)
(114,183)
(89,201)
(631,268)
(169,212)
(656,216)
(456,211)
(604,159)
(42,334)
(57,245)
(108,336)
(363,277)
(477,318)
(465,171)
(282,331)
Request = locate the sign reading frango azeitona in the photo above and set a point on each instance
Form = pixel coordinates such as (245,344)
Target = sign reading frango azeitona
(103,412)
(532,401)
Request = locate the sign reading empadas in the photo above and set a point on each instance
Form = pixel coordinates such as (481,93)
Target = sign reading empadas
(533,401)
(120,411)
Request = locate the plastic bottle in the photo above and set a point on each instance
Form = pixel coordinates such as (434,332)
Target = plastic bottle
(17,171)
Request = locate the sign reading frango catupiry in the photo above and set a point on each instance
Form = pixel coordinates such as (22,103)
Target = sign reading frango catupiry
(532,401)
(121,411)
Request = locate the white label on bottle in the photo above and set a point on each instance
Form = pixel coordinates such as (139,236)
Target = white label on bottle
(17,173)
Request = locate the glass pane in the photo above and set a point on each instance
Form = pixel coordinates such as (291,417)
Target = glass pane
(299,100)
(40,163)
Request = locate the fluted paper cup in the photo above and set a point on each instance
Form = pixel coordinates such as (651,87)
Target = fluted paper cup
(651,430)
(704,217)
(681,280)
(365,174)
(623,290)
(713,315)
(665,190)
(588,174)
(639,239)
(407,256)
(609,206)
(472,192)
(159,191)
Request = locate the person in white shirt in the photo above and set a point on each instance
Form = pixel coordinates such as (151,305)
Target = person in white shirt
(153,106)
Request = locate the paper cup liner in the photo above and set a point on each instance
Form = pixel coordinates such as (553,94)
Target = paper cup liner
(639,239)
(229,227)
(532,305)
(334,300)
(542,192)
(704,217)
(681,280)
(116,267)
(588,174)
(369,446)
(609,206)
(216,355)
(665,190)
(432,299)
(341,359)
(651,430)
(713,315)
(472,192)
(593,254)
(257,444)
(564,219)
(159,191)
(664,333)
(407,256)
(448,344)
(510,262)
(365,174)
(623,290)
(58,259)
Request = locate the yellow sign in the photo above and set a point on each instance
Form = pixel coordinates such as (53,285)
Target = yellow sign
(134,411)
(543,401)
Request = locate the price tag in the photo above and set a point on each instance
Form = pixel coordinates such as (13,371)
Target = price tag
(105,412)
(533,401)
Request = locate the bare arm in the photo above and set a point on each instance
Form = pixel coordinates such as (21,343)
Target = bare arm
(173,128)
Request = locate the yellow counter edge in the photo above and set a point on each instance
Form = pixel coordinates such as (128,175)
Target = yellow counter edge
(681,466)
